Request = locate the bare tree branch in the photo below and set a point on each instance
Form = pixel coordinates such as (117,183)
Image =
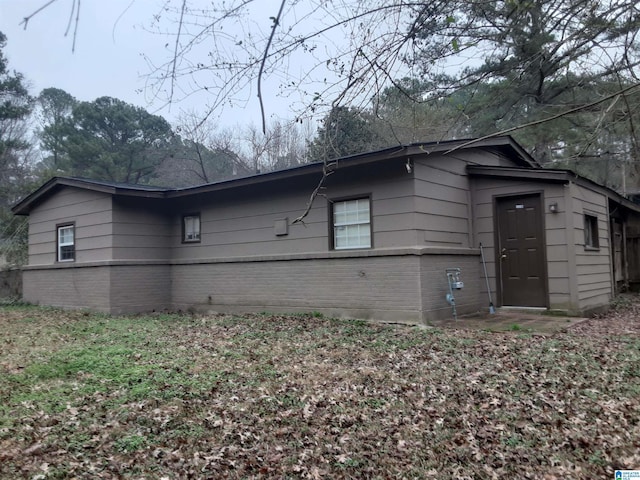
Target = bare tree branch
(175,50)
(276,22)
(25,20)
(327,169)
(75,28)
(75,8)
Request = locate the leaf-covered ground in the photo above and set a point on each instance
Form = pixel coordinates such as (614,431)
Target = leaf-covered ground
(265,396)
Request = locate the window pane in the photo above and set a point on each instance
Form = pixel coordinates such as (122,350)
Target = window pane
(191,228)
(67,252)
(591,231)
(66,235)
(352,224)
(66,243)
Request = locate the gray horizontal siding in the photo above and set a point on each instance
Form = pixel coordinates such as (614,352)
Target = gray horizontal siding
(92,214)
(244,226)
(593,267)
(141,230)
(442,200)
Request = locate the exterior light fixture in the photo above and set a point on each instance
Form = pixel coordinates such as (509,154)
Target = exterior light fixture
(553,207)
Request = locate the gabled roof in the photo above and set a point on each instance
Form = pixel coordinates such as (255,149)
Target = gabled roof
(24,206)
(504,145)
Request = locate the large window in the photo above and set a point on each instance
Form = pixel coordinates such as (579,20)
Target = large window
(191,228)
(66,243)
(351,223)
(591,231)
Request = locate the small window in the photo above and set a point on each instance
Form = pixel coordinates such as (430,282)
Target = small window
(191,228)
(66,243)
(591,231)
(351,224)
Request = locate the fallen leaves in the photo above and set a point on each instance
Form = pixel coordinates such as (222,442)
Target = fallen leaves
(272,396)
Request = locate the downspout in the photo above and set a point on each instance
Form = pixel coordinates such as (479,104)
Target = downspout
(571,248)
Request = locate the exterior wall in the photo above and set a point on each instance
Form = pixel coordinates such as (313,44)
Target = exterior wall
(130,256)
(385,287)
(392,206)
(442,202)
(593,266)
(68,287)
(141,229)
(140,288)
(241,264)
(105,230)
(558,254)
(435,285)
(107,287)
(242,224)
(443,196)
(92,213)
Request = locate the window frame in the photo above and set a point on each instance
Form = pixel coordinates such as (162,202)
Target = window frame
(184,227)
(591,232)
(59,245)
(332,227)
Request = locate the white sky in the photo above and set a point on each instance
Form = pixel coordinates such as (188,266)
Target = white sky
(108,55)
(113,35)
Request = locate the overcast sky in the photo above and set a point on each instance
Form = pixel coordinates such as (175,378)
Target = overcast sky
(108,55)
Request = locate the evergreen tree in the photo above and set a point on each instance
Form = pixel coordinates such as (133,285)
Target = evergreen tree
(108,139)
(344,131)
(15,107)
(55,110)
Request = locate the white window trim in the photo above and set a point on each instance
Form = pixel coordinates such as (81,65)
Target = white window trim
(61,244)
(186,235)
(336,225)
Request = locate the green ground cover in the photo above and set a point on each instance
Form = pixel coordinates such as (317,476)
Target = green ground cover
(270,396)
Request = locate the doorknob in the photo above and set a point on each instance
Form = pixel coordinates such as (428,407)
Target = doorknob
(503,254)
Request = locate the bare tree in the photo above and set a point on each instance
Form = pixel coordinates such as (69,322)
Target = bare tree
(282,145)
(321,54)
(513,65)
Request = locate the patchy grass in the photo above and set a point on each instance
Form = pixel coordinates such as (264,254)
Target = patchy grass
(268,396)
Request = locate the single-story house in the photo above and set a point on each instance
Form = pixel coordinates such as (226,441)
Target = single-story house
(376,243)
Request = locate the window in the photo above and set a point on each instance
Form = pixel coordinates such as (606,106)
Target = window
(591,231)
(191,228)
(351,223)
(66,243)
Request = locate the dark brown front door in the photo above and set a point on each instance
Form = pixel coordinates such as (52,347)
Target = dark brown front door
(520,253)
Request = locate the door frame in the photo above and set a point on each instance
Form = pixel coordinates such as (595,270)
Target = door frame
(496,242)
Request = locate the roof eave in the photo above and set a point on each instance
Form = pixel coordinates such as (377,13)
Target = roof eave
(24,206)
(548,175)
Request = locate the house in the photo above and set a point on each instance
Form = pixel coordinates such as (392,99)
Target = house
(375,244)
